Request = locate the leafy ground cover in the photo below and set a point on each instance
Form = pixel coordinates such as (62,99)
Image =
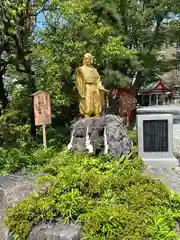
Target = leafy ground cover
(111,199)
(23,154)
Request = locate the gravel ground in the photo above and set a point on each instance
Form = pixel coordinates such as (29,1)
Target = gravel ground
(170,177)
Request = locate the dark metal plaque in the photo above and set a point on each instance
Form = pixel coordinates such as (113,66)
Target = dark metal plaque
(155,134)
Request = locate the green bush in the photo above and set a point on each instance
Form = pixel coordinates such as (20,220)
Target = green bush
(110,199)
(132,135)
(13,159)
(21,152)
(29,155)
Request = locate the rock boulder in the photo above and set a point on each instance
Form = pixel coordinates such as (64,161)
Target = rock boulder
(14,188)
(100,134)
(55,231)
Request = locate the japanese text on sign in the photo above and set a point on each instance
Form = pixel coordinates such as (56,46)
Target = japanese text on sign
(42,108)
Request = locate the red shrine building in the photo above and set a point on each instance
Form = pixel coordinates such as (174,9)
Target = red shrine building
(126,103)
(155,93)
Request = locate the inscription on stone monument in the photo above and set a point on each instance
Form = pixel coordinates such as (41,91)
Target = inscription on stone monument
(155,135)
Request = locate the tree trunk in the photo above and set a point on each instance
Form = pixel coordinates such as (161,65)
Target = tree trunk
(31,90)
(32,119)
(3,95)
(154,37)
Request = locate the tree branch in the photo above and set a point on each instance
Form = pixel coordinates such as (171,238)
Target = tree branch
(159,20)
(156,31)
(3,69)
(20,69)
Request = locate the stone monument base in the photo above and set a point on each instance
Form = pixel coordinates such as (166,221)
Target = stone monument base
(161,162)
(104,134)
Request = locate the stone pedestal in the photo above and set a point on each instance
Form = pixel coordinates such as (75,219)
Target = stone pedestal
(100,134)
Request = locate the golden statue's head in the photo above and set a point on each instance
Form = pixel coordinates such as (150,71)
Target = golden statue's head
(88,59)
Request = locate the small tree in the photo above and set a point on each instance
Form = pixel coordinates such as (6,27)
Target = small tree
(18,20)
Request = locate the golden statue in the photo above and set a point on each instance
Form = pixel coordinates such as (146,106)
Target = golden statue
(90,88)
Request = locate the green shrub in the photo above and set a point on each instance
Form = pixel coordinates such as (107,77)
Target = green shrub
(132,135)
(11,129)
(13,159)
(110,199)
(20,152)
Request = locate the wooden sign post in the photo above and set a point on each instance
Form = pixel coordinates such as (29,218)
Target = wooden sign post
(42,111)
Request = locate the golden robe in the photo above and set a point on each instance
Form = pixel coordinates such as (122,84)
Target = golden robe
(91,91)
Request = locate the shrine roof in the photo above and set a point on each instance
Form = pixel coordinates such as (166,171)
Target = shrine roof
(156,86)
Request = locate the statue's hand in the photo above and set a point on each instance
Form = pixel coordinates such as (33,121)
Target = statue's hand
(105,90)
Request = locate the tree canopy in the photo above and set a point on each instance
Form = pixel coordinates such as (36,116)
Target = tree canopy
(124,37)
(42,42)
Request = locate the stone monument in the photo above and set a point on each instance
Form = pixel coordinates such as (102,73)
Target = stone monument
(94,132)
(155,135)
(169,109)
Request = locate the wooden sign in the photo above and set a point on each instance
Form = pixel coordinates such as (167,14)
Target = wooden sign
(42,111)
(42,108)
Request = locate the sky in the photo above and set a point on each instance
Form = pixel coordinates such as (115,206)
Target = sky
(40,21)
